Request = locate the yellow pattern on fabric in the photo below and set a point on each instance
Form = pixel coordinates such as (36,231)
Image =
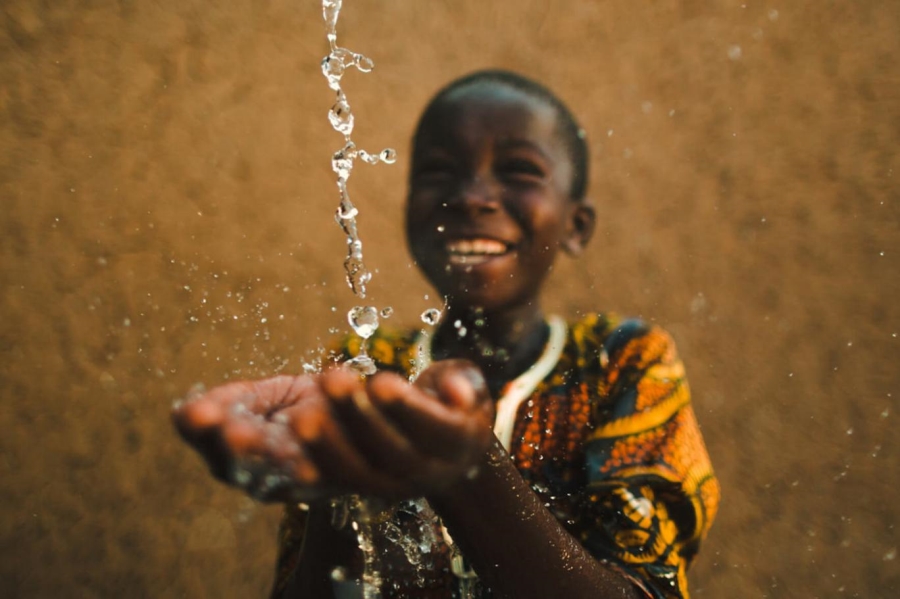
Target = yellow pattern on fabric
(610,443)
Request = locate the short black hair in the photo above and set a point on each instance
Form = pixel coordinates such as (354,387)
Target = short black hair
(571,134)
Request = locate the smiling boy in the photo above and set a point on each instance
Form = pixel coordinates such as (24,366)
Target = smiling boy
(490,205)
(557,459)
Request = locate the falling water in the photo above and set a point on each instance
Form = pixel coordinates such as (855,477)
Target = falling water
(363,319)
(354,511)
(341,118)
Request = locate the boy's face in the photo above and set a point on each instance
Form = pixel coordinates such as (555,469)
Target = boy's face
(489,205)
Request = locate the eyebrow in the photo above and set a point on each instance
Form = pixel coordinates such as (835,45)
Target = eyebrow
(527,144)
(445,150)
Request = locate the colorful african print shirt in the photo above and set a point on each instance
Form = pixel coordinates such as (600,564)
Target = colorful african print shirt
(608,440)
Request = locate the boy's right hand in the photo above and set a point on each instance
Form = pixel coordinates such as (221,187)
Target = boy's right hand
(309,437)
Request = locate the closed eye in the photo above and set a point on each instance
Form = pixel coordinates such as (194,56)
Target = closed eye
(434,169)
(520,170)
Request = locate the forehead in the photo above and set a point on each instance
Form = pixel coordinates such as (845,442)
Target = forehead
(488,111)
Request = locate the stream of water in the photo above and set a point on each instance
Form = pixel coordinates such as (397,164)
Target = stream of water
(354,511)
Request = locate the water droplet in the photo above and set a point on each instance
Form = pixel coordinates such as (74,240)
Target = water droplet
(363,364)
(369,158)
(331,9)
(735,52)
(241,476)
(363,63)
(341,117)
(342,161)
(387,312)
(364,320)
(333,69)
(346,212)
(431,316)
(388,156)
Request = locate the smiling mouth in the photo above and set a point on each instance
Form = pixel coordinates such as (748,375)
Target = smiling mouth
(475,251)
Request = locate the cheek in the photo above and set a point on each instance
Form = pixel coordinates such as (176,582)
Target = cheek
(422,203)
(544,221)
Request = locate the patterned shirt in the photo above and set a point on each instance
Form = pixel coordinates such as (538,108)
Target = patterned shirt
(609,442)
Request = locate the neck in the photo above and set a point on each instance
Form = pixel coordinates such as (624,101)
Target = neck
(504,344)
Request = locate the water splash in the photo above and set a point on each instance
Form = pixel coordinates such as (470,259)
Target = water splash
(419,543)
(364,321)
(352,510)
(431,316)
(361,522)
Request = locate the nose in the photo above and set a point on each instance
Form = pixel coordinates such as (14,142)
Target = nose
(475,195)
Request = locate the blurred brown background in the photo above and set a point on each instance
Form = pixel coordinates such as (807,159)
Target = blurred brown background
(167,220)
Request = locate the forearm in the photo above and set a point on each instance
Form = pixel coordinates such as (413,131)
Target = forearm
(517,547)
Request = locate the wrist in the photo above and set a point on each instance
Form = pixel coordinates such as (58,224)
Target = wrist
(477,484)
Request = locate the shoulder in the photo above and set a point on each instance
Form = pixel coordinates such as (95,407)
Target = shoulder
(627,366)
(616,342)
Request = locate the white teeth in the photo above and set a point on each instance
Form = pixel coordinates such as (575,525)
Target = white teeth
(476,247)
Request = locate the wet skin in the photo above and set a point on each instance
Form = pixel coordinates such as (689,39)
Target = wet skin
(311,437)
(490,172)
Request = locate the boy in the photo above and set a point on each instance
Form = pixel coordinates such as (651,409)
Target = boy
(594,481)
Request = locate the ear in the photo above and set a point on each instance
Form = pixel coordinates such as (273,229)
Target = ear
(580,228)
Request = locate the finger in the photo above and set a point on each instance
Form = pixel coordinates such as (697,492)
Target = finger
(266,461)
(193,418)
(279,392)
(433,427)
(334,456)
(236,440)
(378,440)
(458,383)
(261,398)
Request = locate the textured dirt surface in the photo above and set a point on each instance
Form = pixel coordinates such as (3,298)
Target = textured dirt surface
(166,220)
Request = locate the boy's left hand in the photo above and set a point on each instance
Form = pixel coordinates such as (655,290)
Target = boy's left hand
(309,437)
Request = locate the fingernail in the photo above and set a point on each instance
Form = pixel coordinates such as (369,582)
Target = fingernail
(361,401)
(475,378)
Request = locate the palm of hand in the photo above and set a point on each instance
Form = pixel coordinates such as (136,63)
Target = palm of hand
(309,437)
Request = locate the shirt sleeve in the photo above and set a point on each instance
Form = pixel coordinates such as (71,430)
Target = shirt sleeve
(651,493)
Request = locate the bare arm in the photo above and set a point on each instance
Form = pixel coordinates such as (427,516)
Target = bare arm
(517,546)
(333,434)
